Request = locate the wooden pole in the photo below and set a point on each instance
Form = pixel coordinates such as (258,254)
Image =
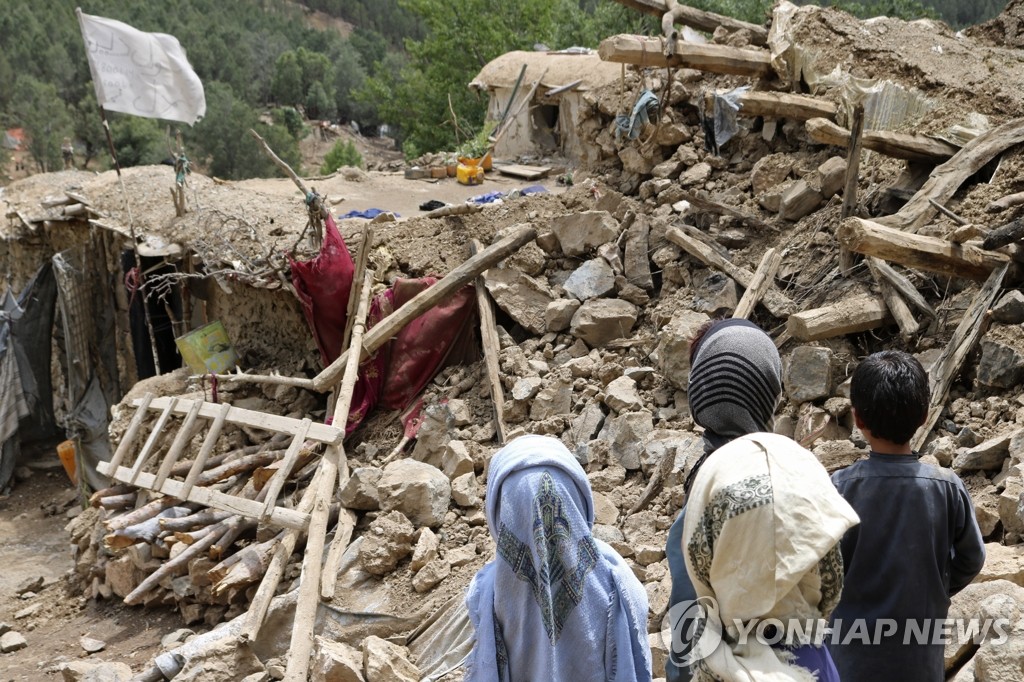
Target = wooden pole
(316,206)
(333,460)
(642,51)
(852,178)
(762,280)
(427,299)
(897,306)
(897,145)
(489,340)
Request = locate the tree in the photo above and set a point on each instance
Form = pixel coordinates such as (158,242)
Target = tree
(318,105)
(138,141)
(42,113)
(286,87)
(341,154)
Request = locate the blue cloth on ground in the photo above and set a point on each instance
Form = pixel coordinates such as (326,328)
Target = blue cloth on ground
(368,213)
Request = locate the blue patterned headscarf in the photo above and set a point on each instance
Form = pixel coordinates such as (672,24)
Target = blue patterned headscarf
(556,603)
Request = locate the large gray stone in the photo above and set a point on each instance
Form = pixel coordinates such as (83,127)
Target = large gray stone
(716,293)
(637,253)
(1002,363)
(387,662)
(809,373)
(335,662)
(601,320)
(418,490)
(621,395)
(524,298)
(1003,562)
(625,436)
(593,279)
(360,492)
(12,640)
(674,345)
(428,577)
(966,605)
(580,233)
(558,314)
(554,399)
(386,542)
(1010,308)
(798,200)
(770,171)
(97,671)
(225,660)
(988,456)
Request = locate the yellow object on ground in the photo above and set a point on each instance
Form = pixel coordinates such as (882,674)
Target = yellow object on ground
(207,349)
(469,175)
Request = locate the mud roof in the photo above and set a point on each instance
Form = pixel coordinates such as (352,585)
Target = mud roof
(558,69)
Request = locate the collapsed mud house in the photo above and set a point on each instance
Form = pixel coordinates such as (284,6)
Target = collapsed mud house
(768,159)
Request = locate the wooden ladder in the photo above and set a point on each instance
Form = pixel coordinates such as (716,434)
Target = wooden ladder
(218,415)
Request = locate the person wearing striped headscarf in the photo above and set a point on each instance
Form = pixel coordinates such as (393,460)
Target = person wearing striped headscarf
(758,535)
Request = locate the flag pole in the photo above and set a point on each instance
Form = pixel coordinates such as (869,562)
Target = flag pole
(140,284)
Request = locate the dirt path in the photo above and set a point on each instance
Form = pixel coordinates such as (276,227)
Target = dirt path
(34,544)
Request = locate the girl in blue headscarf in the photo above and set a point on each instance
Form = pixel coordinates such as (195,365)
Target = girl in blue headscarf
(556,603)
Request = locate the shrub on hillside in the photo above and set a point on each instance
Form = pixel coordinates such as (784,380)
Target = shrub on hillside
(341,154)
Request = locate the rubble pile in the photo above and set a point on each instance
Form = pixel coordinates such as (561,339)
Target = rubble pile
(594,321)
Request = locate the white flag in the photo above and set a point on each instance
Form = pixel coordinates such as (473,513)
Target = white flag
(144,74)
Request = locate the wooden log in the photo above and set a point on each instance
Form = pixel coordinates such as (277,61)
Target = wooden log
(856,314)
(235,467)
(702,203)
(852,181)
(776,303)
(204,452)
(324,212)
(146,531)
(898,308)
(258,420)
(763,278)
(946,179)
(128,439)
(292,456)
(1009,201)
(965,233)
(918,251)
(971,328)
(249,565)
(427,299)
(114,490)
(332,464)
(777,105)
(699,19)
(907,290)
(1004,234)
(177,564)
(116,502)
(897,145)
(491,345)
(205,517)
(143,513)
(643,51)
(271,379)
(455,209)
(220,548)
(362,258)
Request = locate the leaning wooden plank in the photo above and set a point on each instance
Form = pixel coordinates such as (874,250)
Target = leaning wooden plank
(932,254)
(776,303)
(154,435)
(907,290)
(971,328)
(779,105)
(762,280)
(895,303)
(489,340)
(286,518)
(277,480)
(517,170)
(427,299)
(856,314)
(643,51)
(357,281)
(304,624)
(946,179)
(699,19)
(259,420)
(853,155)
(897,145)
(133,430)
(706,205)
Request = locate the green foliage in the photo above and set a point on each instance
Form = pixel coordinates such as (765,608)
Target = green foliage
(38,108)
(88,128)
(291,119)
(341,154)
(138,141)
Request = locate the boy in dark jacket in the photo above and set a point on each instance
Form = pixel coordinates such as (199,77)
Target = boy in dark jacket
(918,542)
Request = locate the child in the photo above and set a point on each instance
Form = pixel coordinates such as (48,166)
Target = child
(918,542)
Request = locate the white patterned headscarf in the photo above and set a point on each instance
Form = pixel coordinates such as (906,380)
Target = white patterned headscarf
(556,603)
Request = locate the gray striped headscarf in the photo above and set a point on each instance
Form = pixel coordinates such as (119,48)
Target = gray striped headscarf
(735,381)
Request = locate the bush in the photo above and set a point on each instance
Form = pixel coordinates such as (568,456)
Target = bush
(342,154)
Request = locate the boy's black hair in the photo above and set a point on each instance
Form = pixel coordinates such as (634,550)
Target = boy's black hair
(889,391)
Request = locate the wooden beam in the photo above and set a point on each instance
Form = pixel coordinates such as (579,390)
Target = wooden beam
(427,299)
(857,314)
(918,251)
(699,19)
(1004,234)
(897,145)
(971,328)
(946,179)
(903,285)
(776,302)
(489,340)
(763,278)
(704,204)
(778,105)
(852,181)
(643,51)
(1009,201)
(258,420)
(899,309)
